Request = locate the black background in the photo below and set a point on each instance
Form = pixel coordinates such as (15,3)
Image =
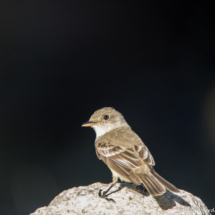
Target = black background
(62,60)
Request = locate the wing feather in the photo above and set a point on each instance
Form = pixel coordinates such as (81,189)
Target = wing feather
(145,154)
(123,151)
(125,157)
(108,150)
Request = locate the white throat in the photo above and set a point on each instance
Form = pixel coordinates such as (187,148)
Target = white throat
(103,129)
(100,130)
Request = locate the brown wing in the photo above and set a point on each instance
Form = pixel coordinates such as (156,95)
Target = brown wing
(124,137)
(123,151)
(121,160)
(145,154)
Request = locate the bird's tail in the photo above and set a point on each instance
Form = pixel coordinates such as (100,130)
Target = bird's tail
(155,184)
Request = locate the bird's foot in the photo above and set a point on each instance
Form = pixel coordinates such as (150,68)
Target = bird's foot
(141,188)
(103,194)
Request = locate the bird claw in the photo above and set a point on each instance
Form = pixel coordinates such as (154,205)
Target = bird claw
(110,200)
(142,189)
(102,194)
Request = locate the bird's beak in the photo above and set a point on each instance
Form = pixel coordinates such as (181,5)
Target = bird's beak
(90,123)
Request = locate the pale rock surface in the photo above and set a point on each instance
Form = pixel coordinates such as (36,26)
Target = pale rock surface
(128,201)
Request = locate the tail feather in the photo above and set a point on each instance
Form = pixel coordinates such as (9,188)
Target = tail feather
(166,184)
(155,184)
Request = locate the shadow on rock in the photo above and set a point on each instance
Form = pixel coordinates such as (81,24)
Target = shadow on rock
(168,199)
(165,201)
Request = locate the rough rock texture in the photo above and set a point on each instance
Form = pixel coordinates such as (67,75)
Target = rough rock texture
(128,201)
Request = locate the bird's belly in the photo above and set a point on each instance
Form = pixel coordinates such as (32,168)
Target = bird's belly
(115,174)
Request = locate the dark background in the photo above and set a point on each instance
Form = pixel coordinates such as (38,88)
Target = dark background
(62,60)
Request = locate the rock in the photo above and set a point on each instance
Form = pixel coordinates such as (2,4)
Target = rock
(128,201)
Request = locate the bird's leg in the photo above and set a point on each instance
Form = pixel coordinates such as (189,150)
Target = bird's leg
(104,193)
(142,188)
(120,187)
(115,180)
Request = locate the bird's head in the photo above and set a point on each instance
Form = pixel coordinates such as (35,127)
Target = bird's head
(105,120)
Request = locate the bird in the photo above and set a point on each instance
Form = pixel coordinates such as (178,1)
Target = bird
(123,151)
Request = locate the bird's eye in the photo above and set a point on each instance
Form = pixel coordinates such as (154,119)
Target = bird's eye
(106,117)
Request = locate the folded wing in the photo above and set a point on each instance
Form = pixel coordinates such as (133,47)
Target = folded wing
(131,160)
